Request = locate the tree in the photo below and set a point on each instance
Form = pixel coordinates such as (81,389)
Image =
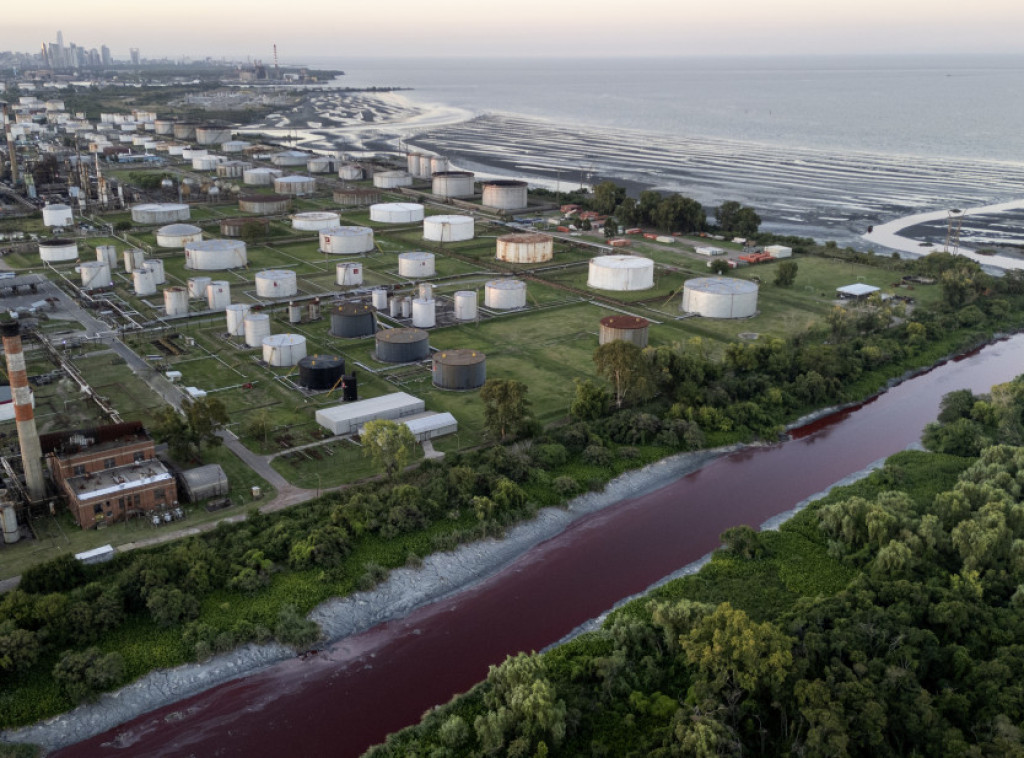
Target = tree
(589,402)
(611,227)
(607,197)
(747,222)
(198,423)
(785,274)
(628,213)
(389,443)
(725,215)
(647,206)
(82,675)
(623,364)
(720,266)
(505,407)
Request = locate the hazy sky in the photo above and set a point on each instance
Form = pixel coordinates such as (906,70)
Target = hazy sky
(447,28)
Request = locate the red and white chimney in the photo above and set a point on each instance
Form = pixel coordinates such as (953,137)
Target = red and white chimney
(24,417)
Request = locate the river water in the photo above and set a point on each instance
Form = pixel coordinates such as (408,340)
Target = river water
(360,689)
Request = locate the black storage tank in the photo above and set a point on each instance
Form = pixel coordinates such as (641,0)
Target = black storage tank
(402,345)
(349,388)
(352,319)
(459,369)
(320,372)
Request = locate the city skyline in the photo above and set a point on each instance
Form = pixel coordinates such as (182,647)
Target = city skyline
(456,28)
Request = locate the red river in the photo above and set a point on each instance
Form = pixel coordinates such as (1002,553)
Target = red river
(365,686)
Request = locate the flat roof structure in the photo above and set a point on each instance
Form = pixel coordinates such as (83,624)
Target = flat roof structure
(349,417)
(856,290)
(118,481)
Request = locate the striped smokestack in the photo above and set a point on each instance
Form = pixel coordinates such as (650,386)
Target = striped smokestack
(28,437)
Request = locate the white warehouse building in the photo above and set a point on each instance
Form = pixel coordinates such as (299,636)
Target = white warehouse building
(349,417)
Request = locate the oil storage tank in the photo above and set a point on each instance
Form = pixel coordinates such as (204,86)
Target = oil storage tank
(264,204)
(184,130)
(412,162)
(160,213)
(391,179)
(107,254)
(448,228)
(234,146)
(346,240)
(295,185)
(212,135)
(465,305)
(142,281)
(321,372)
(218,295)
(352,319)
(402,345)
(157,267)
(350,172)
(320,164)
(95,274)
(276,283)
(290,158)
(175,301)
(238,227)
(525,248)
(232,169)
(621,273)
(720,297)
(349,274)
(57,250)
(284,349)
(504,194)
(416,265)
(57,214)
(505,294)
(257,326)
(356,196)
(133,259)
(178,235)
(206,162)
(452,183)
(260,176)
(633,329)
(313,221)
(215,255)
(197,287)
(396,213)
(235,314)
(424,313)
(459,369)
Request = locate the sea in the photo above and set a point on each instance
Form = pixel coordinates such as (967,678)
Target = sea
(821,146)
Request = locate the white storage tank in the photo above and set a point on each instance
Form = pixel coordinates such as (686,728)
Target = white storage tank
(424,313)
(448,228)
(232,169)
(160,213)
(197,287)
(452,183)
(425,291)
(206,162)
(185,130)
(264,204)
(164,126)
(260,176)
(379,298)
(57,214)
(236,313)
(95,274)
(215,255)
(525,248)
(505,294)
(157,267)
(176,150)
(720,297)
(257,326)
(346,240)
(178,235)
(294,313)
(57,250)
(142,279)
(194,152)
(319,165)
(295,185)
(391,179)
(349,274)
(133,259)
(234,146)
(350,172)
(425,169)
(218,295)
(107,254)
(621,273)
(465,305)
(439,164)
(284,349)
(289,158)
(416,265)
(412,164)
(212,135)
(396,213)
(175,301)
(505,194)
(312,221)
(276,283)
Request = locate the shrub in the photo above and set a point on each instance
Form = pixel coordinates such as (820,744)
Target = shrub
(597,455)
(565,486)
(294,629)
(83,675)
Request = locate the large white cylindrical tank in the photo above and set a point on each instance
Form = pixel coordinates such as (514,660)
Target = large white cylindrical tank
(232,169)
(160,213)
(396,213)
(621,273)
(197,287)
(505,194)
(206,162)
(177,235)
(295,185)
(260,176)
(57,214)
(416,265)
(346,240)
(184,130)
(319,165)
(448,228)
(57,250)
(406,307)
(439,164)
(212,135)
(720,297)
(412,164)
(525,248)
(350,172)
(315,220)
(284,349)
(175,301)
(164,126)
(424,313)
(236,313)
(95,274)
(395,307)
(133,259)
(215,255)
(424,170)
(176,150)
(505,294)
(234,146)
(157,266)
(465,305)
(452,183)
(276,283)
(107,254)
(391,179)
(294,313)
(142,279)
(425,291)
(350,274)
(379,298)
(289,158)
(257,326)
(218,295)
